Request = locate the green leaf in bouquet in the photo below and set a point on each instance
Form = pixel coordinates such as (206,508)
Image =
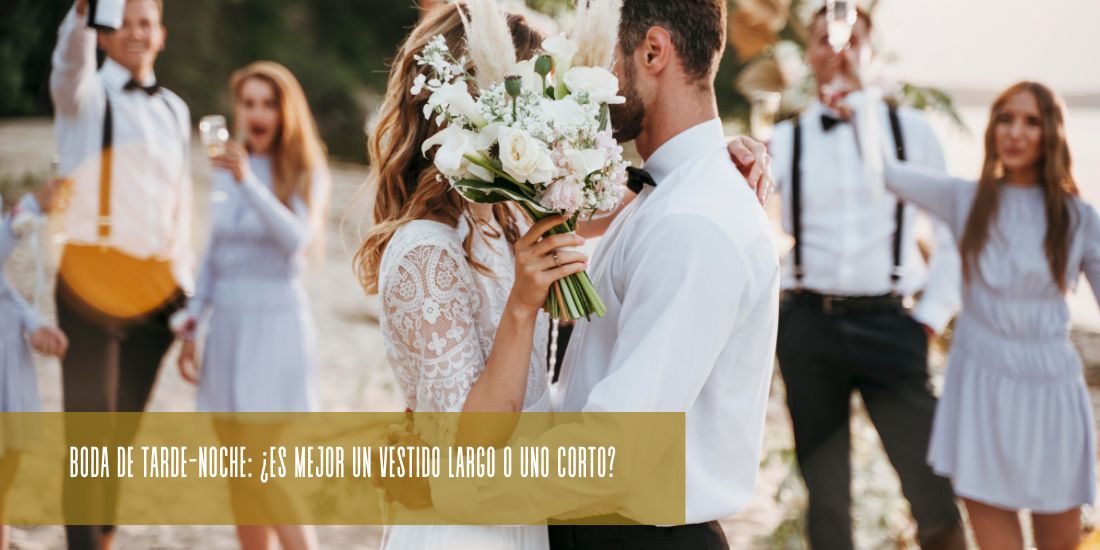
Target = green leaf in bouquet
(494,166)
(499,190)
(605,116)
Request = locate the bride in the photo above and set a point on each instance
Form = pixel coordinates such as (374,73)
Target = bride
(462,285)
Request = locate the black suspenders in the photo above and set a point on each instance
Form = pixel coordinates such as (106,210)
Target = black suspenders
(899,212)
(796,199)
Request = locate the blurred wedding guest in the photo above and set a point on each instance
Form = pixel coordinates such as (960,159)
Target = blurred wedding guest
(845,318)
(124,141)
(269,200)
(1014,428)
(21,330)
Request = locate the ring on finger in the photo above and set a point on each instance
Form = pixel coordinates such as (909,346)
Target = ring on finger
(557,261)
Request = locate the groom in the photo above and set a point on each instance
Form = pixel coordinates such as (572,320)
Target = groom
(690,278)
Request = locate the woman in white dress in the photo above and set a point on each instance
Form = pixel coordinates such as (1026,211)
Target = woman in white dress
(269,199)
(1014,428)
(21,330)
(461,285)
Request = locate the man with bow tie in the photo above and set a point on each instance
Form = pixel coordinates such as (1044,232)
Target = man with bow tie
(124,141)
(846,317)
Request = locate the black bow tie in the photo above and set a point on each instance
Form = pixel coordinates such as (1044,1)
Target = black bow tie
(133,85)
(828,122)
(637,179)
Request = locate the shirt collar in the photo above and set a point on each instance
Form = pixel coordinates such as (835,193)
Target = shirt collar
(683,146)
(116,76)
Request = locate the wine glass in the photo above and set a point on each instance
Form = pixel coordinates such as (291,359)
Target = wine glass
(214,132)
(840,16)
(765,107)
(840,19)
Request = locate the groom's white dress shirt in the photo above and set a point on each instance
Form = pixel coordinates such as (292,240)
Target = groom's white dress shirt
(690,277)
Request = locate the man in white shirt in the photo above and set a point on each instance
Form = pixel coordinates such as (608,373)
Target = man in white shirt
(118,125)
(690,278)
(845,321)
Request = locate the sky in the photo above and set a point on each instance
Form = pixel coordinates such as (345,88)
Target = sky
(986,45)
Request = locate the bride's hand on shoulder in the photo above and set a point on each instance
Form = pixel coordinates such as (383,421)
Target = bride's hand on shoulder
(541,260)
(753,161)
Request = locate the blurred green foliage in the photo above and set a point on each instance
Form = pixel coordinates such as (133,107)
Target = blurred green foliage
(339,49)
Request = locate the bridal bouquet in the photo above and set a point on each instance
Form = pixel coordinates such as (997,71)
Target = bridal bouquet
(535,132)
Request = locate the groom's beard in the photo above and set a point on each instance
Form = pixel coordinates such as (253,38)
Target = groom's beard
(626,118)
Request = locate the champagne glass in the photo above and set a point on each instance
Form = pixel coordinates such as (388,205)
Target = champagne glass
(765,107)
(840,17)
(214,132)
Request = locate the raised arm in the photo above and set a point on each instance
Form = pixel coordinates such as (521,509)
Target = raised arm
(430,299)
(289,225)
(73,82)
(930,189)
(942,293)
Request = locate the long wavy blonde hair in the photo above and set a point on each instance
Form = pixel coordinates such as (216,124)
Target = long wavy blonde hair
(298,154)
(1056,181)
(404,183)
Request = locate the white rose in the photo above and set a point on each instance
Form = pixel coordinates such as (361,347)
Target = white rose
(455,98)
(454,144)
(585,161)
(562,50)
(532,82)
(565,112)
(525,158)
(600,85)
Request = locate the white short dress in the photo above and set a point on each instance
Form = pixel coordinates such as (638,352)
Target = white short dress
(260,351)
(1014,426)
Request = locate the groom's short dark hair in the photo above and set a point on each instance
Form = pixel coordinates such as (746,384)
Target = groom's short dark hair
(698,29)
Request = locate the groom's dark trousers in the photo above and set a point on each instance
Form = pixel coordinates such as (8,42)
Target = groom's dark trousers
(827,350)
(700,536)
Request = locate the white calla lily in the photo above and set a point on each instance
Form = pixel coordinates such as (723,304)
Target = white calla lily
(586,161)
(455,97)
(532,82)
(562,50)
(565,112)
(598,83)
(454,144)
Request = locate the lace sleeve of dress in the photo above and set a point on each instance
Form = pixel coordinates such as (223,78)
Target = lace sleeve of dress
(430,299)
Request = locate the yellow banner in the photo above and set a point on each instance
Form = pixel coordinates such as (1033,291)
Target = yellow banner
(341,468)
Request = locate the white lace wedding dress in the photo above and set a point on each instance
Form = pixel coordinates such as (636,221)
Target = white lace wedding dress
(440,317)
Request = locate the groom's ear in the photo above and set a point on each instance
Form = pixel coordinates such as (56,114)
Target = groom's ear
(657,50)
